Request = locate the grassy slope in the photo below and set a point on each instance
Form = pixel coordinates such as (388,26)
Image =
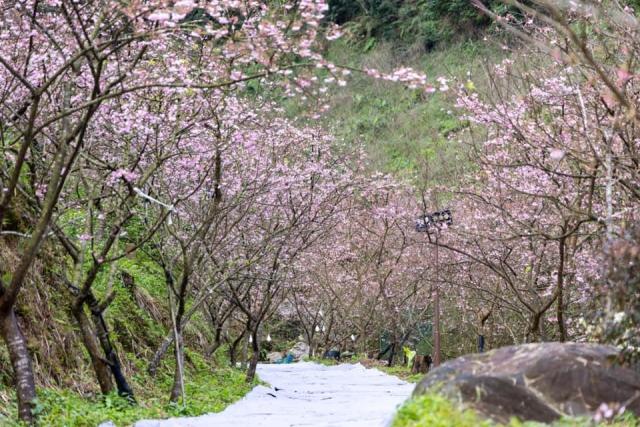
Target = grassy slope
(406,131)
(207,390)
(409,134)
(68,394)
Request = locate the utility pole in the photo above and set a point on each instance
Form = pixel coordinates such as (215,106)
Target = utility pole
(436,309)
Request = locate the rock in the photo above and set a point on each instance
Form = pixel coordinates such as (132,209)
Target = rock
(274,356)
(299,350)
(537,382)
(107,424)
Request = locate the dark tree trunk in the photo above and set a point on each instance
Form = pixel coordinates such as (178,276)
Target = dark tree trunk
(159,354)
(20,362)
(383,352)
(217,342)
(392,354)
(533,333)
(480,343)
(310,342)
(420,364)
(562,330)
(178,376)
(253,363)
(100,367)
(233,350)
(110,354)
(482,320)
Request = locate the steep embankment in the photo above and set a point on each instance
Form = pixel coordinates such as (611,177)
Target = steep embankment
(68,393)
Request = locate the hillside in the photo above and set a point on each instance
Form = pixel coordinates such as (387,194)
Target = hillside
(191,188)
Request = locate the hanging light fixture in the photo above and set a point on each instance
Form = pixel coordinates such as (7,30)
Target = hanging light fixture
(250,339)
(323,328)
(353,337)
(317,328)
(268,338)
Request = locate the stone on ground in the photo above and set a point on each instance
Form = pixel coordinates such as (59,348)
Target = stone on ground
(311,395)
(538,382)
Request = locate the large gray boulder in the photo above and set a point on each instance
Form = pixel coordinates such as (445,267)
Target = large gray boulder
(538,382)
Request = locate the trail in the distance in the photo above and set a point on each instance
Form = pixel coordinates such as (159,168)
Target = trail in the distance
(310,395)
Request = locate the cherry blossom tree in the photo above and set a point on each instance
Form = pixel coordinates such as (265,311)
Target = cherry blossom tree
(553,141)
(61,62)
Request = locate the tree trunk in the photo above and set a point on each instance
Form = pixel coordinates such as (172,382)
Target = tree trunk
(560,307)
(310,342)
(251,371)
(159,354)
(420,364)
(245,354)
(110,354)
(168,340)
(217,342)
(392,354)
(21,364)
(100,367)
(178,376)
(533,332)
(482,319)
(384,351)
(233,350)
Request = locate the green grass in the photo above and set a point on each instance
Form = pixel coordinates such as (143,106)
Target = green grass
(434,410)
(207,390)
(406,131)
(401,372)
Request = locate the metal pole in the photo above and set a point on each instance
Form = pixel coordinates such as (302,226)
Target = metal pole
(436,303)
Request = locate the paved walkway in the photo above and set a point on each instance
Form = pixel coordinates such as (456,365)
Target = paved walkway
(309,395)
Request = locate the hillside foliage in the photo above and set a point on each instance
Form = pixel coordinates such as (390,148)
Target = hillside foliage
(187,187)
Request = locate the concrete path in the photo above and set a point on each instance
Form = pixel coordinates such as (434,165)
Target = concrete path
(310,395)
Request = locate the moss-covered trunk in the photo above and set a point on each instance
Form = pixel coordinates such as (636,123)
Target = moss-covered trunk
(20,362)
(100,366)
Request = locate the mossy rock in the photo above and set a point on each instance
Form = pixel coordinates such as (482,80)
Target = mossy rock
(539,382)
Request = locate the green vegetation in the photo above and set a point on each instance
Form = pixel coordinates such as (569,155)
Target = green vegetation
(67,394)
(406,132)
(401,372)
(426,22)
(434,410)
(207,390)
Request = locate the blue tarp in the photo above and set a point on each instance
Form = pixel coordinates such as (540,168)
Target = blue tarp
(287,359)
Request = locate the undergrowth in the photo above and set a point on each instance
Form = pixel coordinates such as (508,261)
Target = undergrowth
(208,389)
(434,410)
(407,131)
(402,372)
